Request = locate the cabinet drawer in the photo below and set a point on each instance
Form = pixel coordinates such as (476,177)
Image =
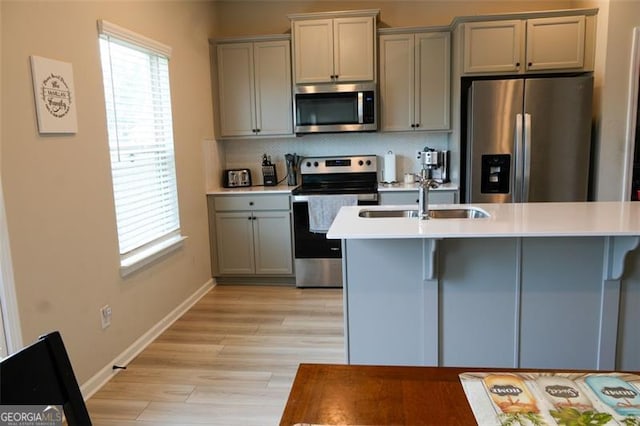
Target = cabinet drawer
(252,202)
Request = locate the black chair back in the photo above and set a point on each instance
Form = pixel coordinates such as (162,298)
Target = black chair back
(41,374)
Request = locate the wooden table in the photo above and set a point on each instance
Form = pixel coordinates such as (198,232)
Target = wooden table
(325,394)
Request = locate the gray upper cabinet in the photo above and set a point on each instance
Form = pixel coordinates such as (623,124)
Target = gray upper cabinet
(550,44)
(254,88)
(332,48)
(555,43)
(415,81)
(493,46)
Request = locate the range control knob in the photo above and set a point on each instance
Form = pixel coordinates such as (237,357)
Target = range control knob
(360,163)
(368,162)
(308,164)
(315,164)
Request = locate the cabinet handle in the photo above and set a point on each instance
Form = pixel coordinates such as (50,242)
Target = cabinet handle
(413,126)
(250,203)
(517,64)
(249,218)
(530,63)
(418,125)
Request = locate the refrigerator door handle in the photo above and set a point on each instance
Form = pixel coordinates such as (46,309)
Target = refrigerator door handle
(526,175)
(518,172)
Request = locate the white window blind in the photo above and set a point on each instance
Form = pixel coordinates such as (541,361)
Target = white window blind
(139,123)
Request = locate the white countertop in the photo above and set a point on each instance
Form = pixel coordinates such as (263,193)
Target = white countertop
(506,220)
(258,189)
(285,189)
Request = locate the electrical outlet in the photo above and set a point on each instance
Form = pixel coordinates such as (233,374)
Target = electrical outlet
(105,316)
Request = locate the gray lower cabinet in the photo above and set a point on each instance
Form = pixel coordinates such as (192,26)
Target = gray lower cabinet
(411,197)
(252,235)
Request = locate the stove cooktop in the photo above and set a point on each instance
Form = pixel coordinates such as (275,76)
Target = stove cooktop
(334,190)
(338,175)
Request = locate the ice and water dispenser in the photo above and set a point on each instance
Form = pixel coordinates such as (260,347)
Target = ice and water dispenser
(495,174)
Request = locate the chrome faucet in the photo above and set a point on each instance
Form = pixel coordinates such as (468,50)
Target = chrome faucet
(425,184)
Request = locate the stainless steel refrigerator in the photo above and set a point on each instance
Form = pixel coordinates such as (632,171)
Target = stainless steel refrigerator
(528,140)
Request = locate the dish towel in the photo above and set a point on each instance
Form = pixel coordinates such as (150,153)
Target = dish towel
(324,208)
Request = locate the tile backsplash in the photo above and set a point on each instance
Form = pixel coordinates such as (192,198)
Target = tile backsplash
(248,153)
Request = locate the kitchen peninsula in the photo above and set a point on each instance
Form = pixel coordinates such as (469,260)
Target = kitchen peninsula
(534,285)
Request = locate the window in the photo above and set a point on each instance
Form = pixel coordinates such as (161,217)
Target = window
(138,103)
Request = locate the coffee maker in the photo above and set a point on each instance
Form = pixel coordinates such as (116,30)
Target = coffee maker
(436,163)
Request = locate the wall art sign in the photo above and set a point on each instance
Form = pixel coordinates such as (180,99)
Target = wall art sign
(54,95)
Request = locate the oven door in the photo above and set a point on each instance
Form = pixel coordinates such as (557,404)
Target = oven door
(318,260)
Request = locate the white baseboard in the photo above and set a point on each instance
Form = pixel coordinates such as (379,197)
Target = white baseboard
(91,386)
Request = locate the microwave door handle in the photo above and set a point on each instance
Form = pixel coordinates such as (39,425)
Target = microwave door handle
(360,107)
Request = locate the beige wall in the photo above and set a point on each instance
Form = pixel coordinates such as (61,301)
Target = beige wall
(611,122)
(58,191)
(270,17)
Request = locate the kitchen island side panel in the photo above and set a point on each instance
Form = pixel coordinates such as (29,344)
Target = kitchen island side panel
(628,350)
(478,282)
(385,294)
(562,281)
(491,302)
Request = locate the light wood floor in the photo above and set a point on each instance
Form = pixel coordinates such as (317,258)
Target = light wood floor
(230,360)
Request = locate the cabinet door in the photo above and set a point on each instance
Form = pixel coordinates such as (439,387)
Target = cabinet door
(433,53)
(272,62)
(353,49)
(396,82)
(495,46)
(234,238)
(272,242)
(443,197)
(398,197)
(313,50)
(555,43)
(236,89)
(411,197)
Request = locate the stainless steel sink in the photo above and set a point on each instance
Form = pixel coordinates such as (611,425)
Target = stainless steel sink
(471,213)
(457,213)
(388,213)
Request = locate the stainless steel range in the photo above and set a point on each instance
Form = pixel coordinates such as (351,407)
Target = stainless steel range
(327,184)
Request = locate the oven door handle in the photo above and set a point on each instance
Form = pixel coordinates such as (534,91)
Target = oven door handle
(361,197)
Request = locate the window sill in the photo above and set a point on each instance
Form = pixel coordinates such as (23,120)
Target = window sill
(132,263)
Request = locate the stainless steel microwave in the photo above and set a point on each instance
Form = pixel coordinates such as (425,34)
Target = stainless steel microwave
(328,108)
